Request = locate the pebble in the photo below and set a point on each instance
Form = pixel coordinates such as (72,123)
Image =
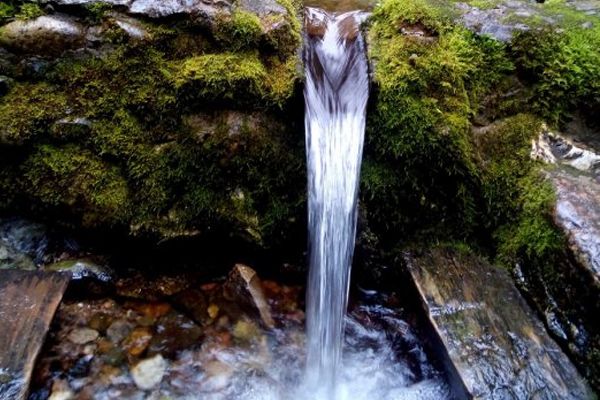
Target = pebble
(119,330)
(148,373)
(83,335)
(138,341)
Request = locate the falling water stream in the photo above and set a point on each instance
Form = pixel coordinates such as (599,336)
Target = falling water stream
(336,93)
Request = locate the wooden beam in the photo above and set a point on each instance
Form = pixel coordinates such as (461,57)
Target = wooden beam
(28,301)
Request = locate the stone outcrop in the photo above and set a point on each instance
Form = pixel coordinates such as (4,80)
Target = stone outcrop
(243,286)
(496,343)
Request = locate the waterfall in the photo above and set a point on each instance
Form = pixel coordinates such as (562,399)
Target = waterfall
(336,93)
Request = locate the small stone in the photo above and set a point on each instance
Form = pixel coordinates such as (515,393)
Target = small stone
(245,331)
(218,375)
(119,330)
(83,335)
(213,311)
(100,322)
(148,373)
(138,341)
(89,349)
(114,357)
(61,391)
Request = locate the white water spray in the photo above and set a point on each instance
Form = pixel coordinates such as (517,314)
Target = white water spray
(336,93)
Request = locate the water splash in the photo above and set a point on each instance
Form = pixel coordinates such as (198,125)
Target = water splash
(336,93)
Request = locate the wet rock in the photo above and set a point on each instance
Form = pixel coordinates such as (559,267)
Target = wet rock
(151,288)
(10,258)
(243,286)
(553,148)
(246,331)
(577,213)
(493,21)
(119,330)
(61,391)
(48,34)
(494,342)
(131,26)
(83,335)
(175,332)
(164,8)
(262,7)
(71,128)
(218,375)
(148,373)
(194,303)
(577,210)
(81,269)
(138,341)
(100,322)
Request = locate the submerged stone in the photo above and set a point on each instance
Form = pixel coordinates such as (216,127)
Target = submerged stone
(148,373)
(494,341)
(83,335)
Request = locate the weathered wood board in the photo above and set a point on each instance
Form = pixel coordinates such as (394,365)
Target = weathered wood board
(28,301)
(498,346)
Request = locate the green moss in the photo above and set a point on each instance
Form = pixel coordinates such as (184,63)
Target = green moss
(223,76)
(75,179)
(29,11)
(236,78)
(97,11)
(564,69)
(240,30)
(7,10)
(420,173)
(132,78)
(503,151)
(27,111)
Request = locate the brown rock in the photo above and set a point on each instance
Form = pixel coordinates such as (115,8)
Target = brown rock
(138,341)
(243,286)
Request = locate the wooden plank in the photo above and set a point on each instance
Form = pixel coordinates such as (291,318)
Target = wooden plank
(28,301)
(495,342)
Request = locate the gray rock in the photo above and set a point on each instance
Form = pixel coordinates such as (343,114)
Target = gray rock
(71,128)
(11,258)
(83,335)
(262,7)
(243,286)
(134,28)
(119,330)
(80,269)
(85,2)
(166,8)
(148,373)
(577,213)
(495,343)
(48,34)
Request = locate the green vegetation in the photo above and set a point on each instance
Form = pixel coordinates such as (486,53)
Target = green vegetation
(240,30)
(29,11)
(104,140)
(7,10)
(420,171)
(564,69)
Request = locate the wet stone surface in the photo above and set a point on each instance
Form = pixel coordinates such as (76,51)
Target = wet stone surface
(197,343)
(500,349)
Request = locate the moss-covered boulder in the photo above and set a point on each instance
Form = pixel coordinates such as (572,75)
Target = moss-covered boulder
(159,127)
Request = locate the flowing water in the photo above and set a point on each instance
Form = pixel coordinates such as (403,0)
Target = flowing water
(229,355)
(336,93)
